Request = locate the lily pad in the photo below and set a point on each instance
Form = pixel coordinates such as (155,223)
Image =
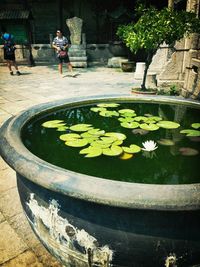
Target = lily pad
(140,118)
(81,127)
(132,149)
(130,125)
(100,144)
(126,119)
(53,124)
(126,110)
(166,142)
(108,140)
(196,125)
(149,127)
(118,143)
(76,143)
(96,132)
(91,152)
(155,118)
(108,105)
(113,151)
(95,109)
(187,151)
(62,128)
(190,132)
(69,136)
(168,124)
(108,113)
(140,131)
(126,156)
(119,136)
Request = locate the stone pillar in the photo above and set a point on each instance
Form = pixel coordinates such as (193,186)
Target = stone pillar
(77,51)
(171,4)
(75,27)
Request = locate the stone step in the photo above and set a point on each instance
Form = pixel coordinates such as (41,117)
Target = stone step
(81,59)
(77,53)
(79,64)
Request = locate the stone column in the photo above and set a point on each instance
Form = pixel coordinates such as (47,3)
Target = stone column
(171,4)
(75,27)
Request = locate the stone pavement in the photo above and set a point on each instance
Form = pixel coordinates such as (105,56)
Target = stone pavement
(18,244)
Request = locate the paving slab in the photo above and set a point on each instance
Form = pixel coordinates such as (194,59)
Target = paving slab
(11,245)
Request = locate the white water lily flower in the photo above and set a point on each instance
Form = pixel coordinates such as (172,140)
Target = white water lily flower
(149,145)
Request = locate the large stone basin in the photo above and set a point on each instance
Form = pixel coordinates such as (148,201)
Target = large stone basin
(90,221)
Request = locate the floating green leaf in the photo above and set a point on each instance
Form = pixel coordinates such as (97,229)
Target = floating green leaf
(119,136)
(100,144)
(190,132)
(96,132)
(168,124)
(108,140)
(91,152)
(81,127)
(108,105)
(97,109)
(62,128)
(166,142)
(53,124)
(69,136)
(76,143)
(126,119)
(108,113)
(149,127)
(196,125)
(130,125)
(132,149)
(155,118)
(140,118)
(126,110)
(113,151)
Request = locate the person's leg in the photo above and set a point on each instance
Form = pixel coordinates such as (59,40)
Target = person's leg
(60,68)
(69,66)
(16,67)
(9,66)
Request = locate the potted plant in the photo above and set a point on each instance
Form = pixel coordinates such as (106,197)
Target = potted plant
(155,27)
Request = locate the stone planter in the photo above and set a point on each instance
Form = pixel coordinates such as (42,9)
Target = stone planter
(128,66)
(88,221)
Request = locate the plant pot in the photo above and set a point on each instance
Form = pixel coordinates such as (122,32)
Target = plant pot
(128,66)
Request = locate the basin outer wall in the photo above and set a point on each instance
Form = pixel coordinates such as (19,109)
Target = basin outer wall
(144,216)
(103,191)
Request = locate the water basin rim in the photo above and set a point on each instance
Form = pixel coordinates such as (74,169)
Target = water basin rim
(108,192)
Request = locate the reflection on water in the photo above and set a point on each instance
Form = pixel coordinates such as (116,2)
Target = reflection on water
(165,165)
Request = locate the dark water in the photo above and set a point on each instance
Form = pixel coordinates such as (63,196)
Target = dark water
(165,165)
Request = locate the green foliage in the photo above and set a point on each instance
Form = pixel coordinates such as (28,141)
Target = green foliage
(157,26)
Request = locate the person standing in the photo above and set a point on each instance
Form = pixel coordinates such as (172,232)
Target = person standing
(61,45)
(9,52)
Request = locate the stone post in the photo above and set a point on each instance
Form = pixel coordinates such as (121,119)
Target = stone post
(171,4)
(75,27)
